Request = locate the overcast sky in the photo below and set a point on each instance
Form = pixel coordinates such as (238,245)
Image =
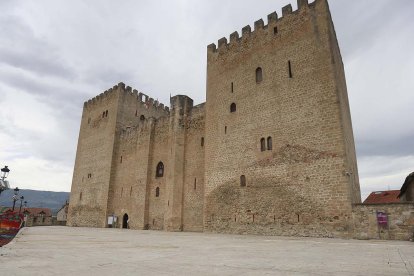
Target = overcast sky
(56,54)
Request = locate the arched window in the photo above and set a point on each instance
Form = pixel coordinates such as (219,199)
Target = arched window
(242,181)
(142,117)
(160,170)
(233,107)
(259,75)
(157,192)
(269,143)
(262,144)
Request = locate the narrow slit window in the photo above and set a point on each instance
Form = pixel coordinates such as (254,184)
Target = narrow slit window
(225,130)
(195,183)
(80,196)
(103,114)
(232,87)
(232,108)
(106,113)
(242,181)
(259,75)
(269,143)
(262,144)
(202,141)
(121,159)
(136,113)
(157,192)
(290,69)
(130,191)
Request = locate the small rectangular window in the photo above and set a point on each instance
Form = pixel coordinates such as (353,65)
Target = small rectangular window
(275,30)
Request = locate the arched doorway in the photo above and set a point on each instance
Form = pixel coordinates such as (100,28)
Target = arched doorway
(125,221)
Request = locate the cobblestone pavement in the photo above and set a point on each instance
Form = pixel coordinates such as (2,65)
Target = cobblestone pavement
(90,251)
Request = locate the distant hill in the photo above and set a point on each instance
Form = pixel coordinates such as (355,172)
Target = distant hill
(46,199)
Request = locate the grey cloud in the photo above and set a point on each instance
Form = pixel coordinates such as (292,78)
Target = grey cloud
(55,95)
(398,146)
(20,48)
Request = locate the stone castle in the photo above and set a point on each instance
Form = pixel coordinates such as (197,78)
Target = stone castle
(271,151)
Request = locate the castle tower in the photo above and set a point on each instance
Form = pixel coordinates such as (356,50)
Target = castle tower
(280,156)
(103,119)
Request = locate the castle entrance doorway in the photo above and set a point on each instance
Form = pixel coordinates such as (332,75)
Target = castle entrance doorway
(125,221)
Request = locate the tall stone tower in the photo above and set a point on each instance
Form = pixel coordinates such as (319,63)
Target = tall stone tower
(280,156)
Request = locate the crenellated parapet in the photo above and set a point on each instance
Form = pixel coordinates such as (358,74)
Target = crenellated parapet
(140,97)
(247,34)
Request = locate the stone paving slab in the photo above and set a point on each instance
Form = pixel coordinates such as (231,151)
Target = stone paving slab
(91,251)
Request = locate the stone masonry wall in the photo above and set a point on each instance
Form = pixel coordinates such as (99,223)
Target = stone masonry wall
(194,171)
(95,166)
(300,186)
(400,221)
(160,153)
(345,114)
(89,193)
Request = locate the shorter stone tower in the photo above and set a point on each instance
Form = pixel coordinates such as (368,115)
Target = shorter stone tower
(103,119)
(140,162)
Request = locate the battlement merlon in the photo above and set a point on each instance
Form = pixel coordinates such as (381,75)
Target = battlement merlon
(120,87)
(272,20)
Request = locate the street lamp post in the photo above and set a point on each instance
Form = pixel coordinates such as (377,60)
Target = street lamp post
(25,215)
(4,172)
(3,184)
(21,203)
(15,197)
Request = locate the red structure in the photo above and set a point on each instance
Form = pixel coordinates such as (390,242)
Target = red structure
(383,197)
(10,224)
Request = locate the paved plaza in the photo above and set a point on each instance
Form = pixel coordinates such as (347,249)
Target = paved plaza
(90,251)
